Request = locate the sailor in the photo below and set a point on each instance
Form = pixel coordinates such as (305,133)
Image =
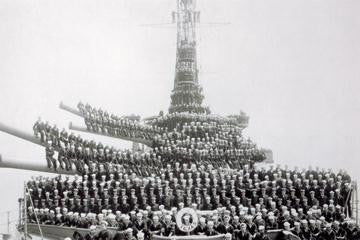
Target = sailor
(352,232)
(228,227)
(76,236)
(167,228)
(242,234)
(155,226)
(339,231)
(261,235)
(271,224)
(139,223)
(91,235)
(210,229)
(50,152)
(125,207)
(297,230)
(251,226)
(327,233)
(218,226)
(129,234)
(126,223)
(104,234)
(207,204)
(201,228)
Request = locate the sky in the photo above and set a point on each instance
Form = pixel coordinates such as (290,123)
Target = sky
(292,66)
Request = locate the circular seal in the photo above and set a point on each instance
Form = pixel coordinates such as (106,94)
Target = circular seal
(187,219)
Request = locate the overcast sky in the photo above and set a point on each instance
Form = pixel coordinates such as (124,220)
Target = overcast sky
(292,66)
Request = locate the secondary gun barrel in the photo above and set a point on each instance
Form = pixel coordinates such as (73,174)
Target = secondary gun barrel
(19,133)
(70,109)
(84,129)
(32,166)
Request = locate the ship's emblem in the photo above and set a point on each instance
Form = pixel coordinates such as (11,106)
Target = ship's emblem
(187,219)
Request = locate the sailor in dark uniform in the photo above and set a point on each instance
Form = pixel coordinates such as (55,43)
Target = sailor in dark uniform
(139,223)
(155,226)
(92,233)
(352,232)
(227,226)
(50,152)
(125,207)
(242,234)
(210,229)
(297,230)
(167,229)
(77,236)
(327,233)
(339,231)
(104,234)
(261,235)
(201,228)
(207,204)
(126,223)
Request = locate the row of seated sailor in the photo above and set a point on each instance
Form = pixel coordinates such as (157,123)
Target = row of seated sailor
(82,158)
(98,120)
(220,139)
(197,185)
(69,152)
(202,147)
(196,108)
(75,152)
(178,119)
(205,130)
(74,146)
(220,221)
(223,135)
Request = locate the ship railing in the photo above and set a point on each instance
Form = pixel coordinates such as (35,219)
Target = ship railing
(27,196)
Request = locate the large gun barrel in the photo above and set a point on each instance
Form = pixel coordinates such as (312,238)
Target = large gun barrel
(20,134)
(32,166)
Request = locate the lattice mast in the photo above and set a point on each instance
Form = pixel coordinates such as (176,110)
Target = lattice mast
(187,94)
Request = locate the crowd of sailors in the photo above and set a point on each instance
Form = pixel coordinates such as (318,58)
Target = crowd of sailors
(310,203)
(221,145)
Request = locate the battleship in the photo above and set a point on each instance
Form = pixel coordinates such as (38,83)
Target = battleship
(191,174)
